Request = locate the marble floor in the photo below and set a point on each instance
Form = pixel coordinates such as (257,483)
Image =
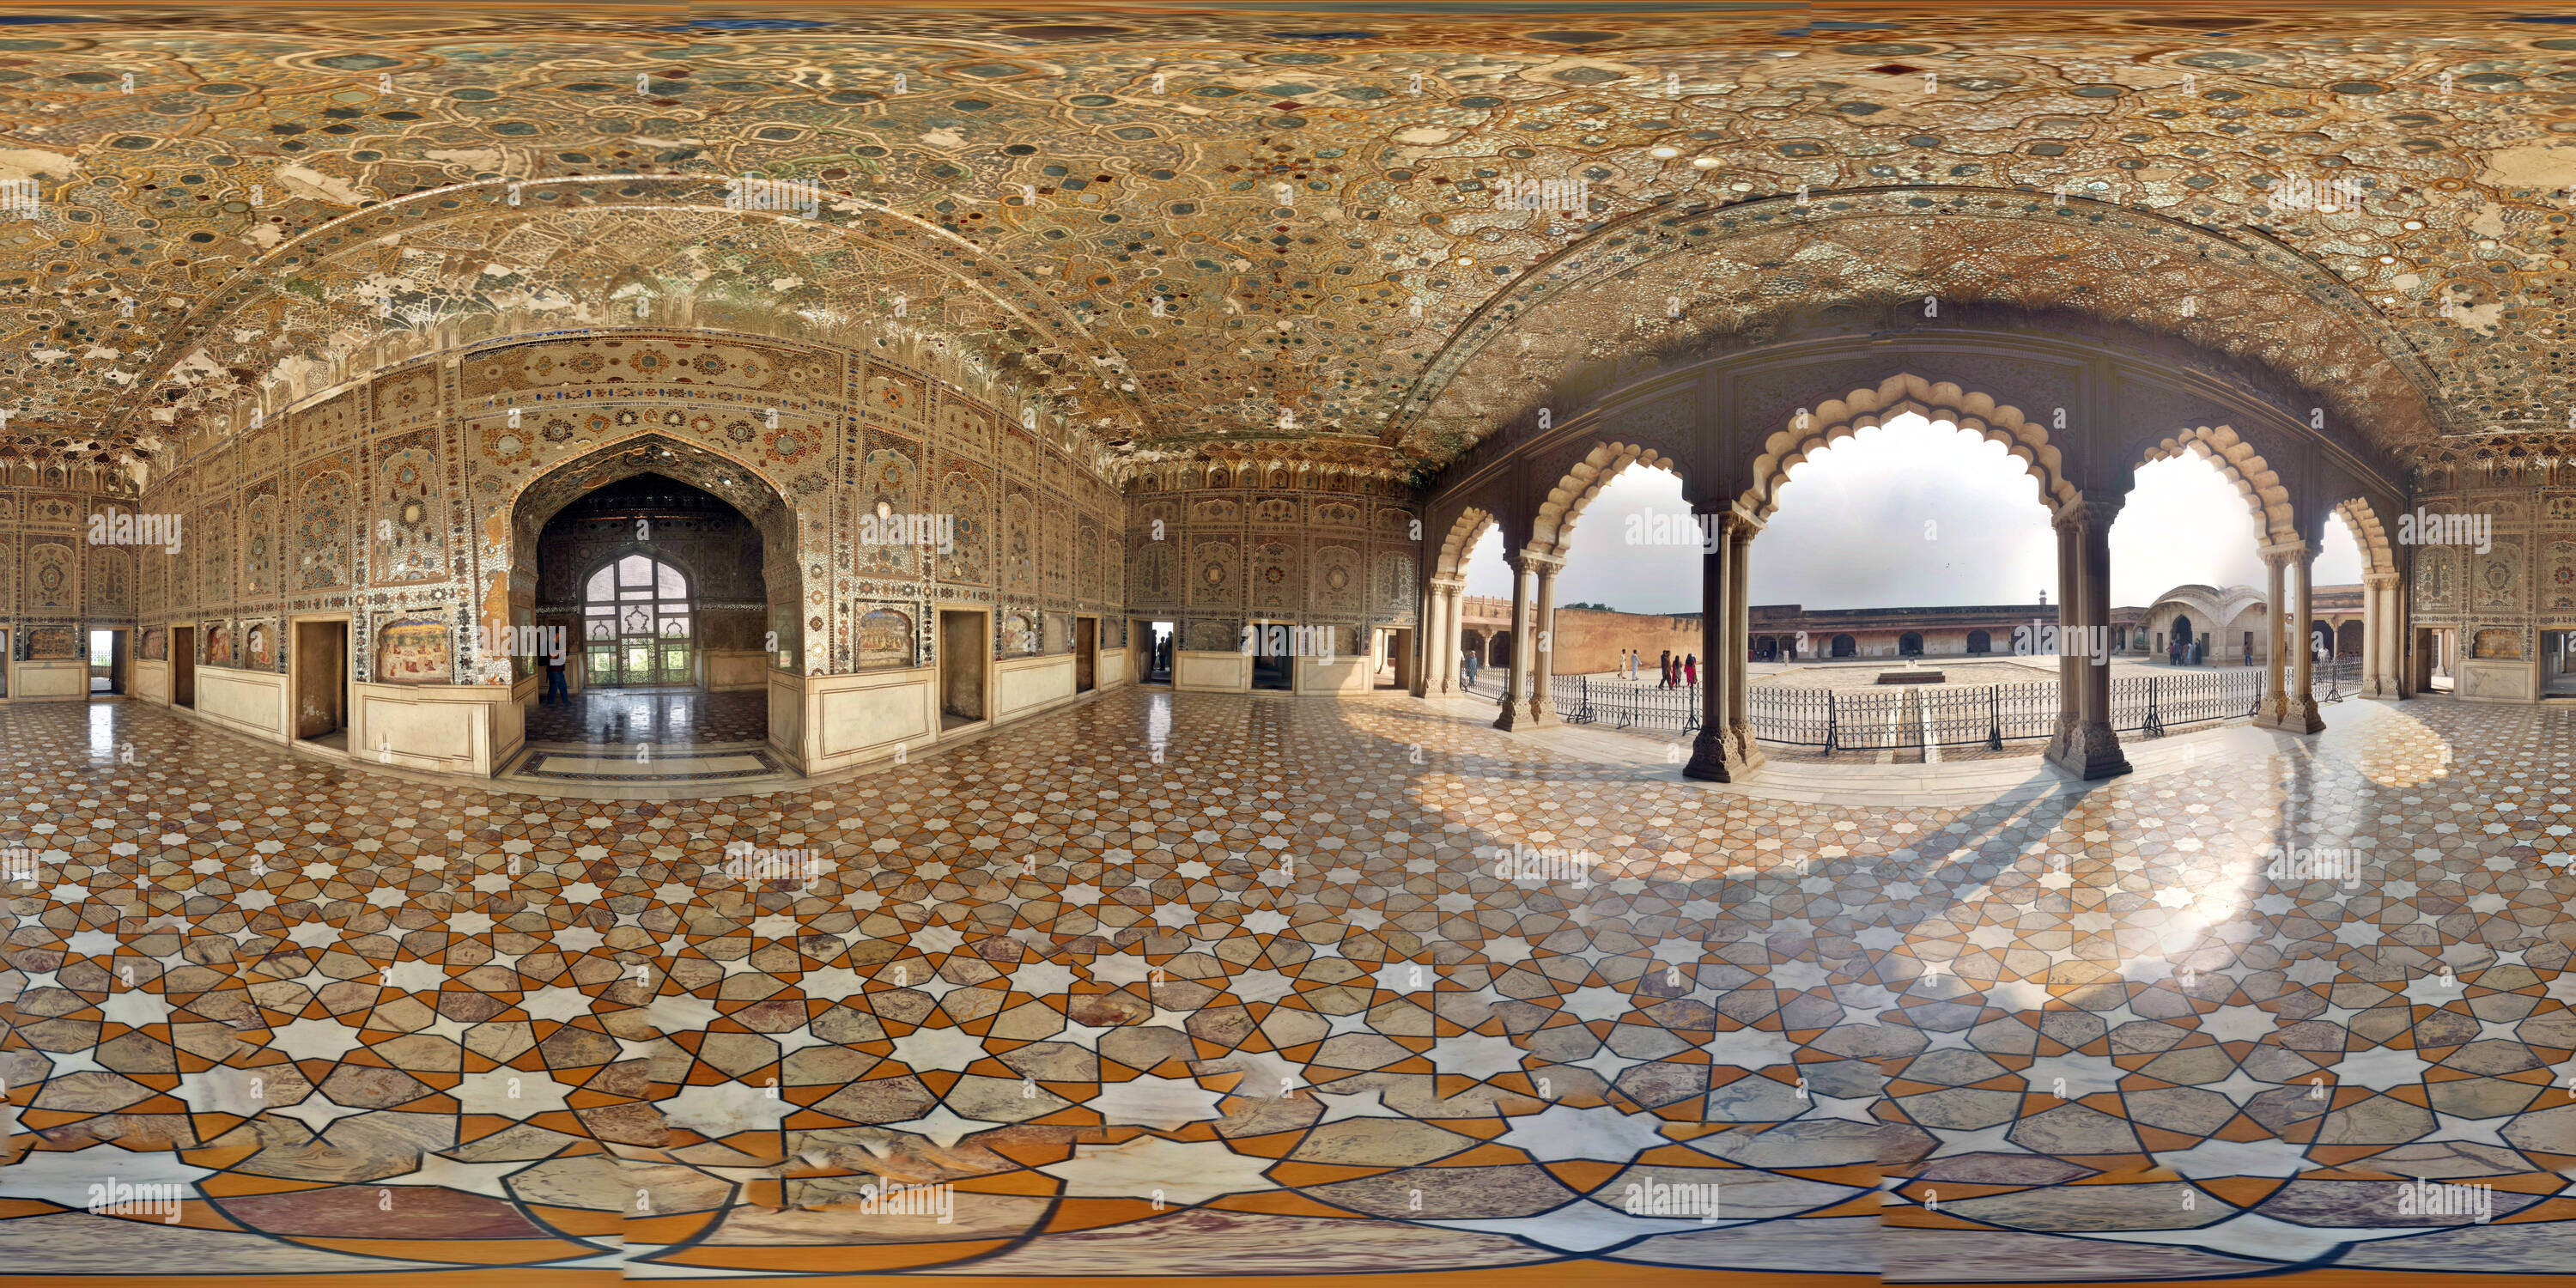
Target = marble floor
(658,717)
(1215,985)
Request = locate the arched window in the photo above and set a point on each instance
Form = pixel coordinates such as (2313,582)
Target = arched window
(637,624)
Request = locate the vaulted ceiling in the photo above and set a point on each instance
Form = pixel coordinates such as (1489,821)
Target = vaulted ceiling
(1212,228)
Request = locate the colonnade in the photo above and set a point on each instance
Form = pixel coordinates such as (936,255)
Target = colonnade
(2086,743)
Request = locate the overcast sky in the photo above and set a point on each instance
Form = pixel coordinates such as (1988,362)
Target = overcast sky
(1914,513)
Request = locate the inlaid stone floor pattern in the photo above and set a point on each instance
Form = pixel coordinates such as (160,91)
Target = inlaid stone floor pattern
(1229,985)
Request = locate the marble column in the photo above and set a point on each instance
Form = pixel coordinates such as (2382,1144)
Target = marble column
(1515,712)
(2085,745)
(1714,756)
(1425,642)
(1444,638)
(1739,642)
(2268,712)
(1542,698)
(2300,714)
(2376,610)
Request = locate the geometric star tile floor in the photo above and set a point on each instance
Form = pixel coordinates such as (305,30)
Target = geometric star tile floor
(1263,1007)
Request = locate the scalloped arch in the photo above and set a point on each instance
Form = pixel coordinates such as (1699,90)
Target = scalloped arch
(1464,532)
(1839,418)
(2378,555)
(2266,496)
(1553,530)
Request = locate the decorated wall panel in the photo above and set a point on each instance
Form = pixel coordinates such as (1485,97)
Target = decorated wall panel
(398,497)
(1214,547)
(2515,575)
(60,572)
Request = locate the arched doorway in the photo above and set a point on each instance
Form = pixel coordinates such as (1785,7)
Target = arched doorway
(1910,644)
(668,573)
(1980,642)
(2348,640)
(1845,646)
(1498,650)
(1769,649)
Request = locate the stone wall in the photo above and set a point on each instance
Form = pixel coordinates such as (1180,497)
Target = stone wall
(1587,640)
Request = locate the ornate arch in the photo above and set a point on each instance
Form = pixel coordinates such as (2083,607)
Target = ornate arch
(1839,418)
(1464,532)
(2266,496)
(2378,553)
(521,516)
(1553,529)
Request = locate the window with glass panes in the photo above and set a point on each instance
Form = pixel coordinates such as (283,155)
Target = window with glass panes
(636,624)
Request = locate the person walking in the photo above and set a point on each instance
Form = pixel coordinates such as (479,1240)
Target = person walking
(1690,670)
(555,681)
(1664,670)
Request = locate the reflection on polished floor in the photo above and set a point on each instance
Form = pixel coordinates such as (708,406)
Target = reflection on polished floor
(1265,1007)
(661,717)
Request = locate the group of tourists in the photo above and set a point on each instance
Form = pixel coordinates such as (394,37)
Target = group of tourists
(1676,672)
(2187,652)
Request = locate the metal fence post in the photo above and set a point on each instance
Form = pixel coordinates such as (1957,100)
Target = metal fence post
(1830,728)
(1994,717)
(2155,725)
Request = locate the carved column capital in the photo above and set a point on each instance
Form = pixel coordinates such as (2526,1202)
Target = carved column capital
(2094,512)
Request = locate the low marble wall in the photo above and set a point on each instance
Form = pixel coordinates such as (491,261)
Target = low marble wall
(54,680)
(735,669)
(450,728)
(151,682)
(1341,677)
(246,702)
(1226,672)
(1025,685)
(2495,680)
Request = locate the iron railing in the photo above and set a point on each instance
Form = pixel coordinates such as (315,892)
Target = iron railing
(1912,717)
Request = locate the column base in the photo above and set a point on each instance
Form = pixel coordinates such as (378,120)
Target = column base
(1714,759)
(2372,687)
(1524,713)
(2298,716)
(1748,749)
(2088,750)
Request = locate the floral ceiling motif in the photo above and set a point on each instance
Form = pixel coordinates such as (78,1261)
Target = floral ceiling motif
(1197,233)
